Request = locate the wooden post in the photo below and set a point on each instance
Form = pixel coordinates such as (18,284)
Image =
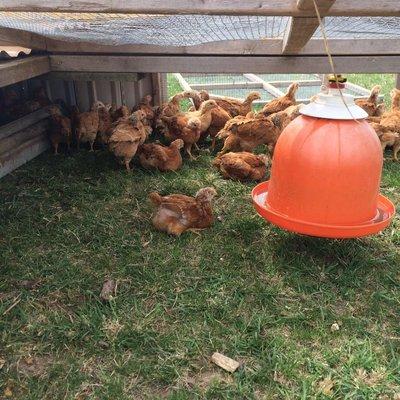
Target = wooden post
(300,30)
(92,92)
(398,81)
(156,86)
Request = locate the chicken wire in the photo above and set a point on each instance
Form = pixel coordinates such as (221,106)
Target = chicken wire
(183,30)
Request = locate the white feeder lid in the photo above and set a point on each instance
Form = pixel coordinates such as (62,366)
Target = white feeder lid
(330,105)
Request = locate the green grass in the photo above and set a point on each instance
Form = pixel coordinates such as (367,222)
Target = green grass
(258,294)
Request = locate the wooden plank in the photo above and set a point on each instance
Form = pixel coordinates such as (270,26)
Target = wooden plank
(398,81)
(182,81)
(265,85)
(16,37)
(93,76)
(300,82)
(23,153)
(234,85)
(23,122)
(358,89)
(157,89)
(226,64)
(163,87)
(13,71)
(300,30)
(92,92)
(223,7)
(237,47)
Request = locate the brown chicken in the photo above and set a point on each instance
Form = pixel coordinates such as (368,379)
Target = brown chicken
(126,137)
(219,117)
(242,166)
(88,125)
(105,125)
(247,133)
(387,138)
(178,122)
(163,158)
(118,113)
(281,103)
(370,105)
(169,109)
(237,107)
(178,213)
(145,105)
(190,135)
(60,129)
(391,119)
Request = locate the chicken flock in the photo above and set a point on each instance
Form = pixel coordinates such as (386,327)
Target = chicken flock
(126,134)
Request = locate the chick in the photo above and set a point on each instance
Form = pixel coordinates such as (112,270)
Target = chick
(242,166)
(178,213)
(163,158)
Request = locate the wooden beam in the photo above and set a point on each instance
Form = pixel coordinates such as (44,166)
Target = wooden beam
(93,76)
(182,81)
(224,64)
(223,7)
(226,85)
(15,37)
(23,122)
(236,47)
(13,71)
(300,30)
(265,85)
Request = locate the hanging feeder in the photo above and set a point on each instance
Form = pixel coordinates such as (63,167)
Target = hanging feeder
(326,172)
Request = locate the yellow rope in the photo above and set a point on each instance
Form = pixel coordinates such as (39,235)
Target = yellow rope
(328,52)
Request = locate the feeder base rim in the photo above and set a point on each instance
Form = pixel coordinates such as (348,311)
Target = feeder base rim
(385,213)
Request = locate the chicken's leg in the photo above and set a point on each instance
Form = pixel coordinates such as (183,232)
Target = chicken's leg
(91,146)
(188,150)
(128,168)
(396,149)
(56,149)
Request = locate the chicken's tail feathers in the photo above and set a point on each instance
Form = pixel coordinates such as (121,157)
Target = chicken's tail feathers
(292,89)
(155,198)
(216,162)
(373,97)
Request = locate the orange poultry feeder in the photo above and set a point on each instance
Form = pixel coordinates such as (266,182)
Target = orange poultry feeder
(326,172)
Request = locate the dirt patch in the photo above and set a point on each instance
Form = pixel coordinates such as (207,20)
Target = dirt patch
(34,366)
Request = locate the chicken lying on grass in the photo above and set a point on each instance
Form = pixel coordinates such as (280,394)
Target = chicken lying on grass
(163,158)
(127,136)
(242,166)
(178,213)
(60,129)
(281,103)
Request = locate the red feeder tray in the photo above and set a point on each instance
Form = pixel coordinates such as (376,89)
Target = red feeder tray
(325,174)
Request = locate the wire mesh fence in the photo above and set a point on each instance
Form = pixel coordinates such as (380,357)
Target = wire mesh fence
(184,30)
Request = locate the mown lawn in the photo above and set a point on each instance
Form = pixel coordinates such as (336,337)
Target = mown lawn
(262,296)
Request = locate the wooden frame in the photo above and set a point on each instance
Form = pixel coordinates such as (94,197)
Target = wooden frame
(18,70)
(272,87)
(222,7)
(224,64)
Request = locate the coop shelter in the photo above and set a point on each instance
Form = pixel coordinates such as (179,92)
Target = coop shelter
(116,52)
